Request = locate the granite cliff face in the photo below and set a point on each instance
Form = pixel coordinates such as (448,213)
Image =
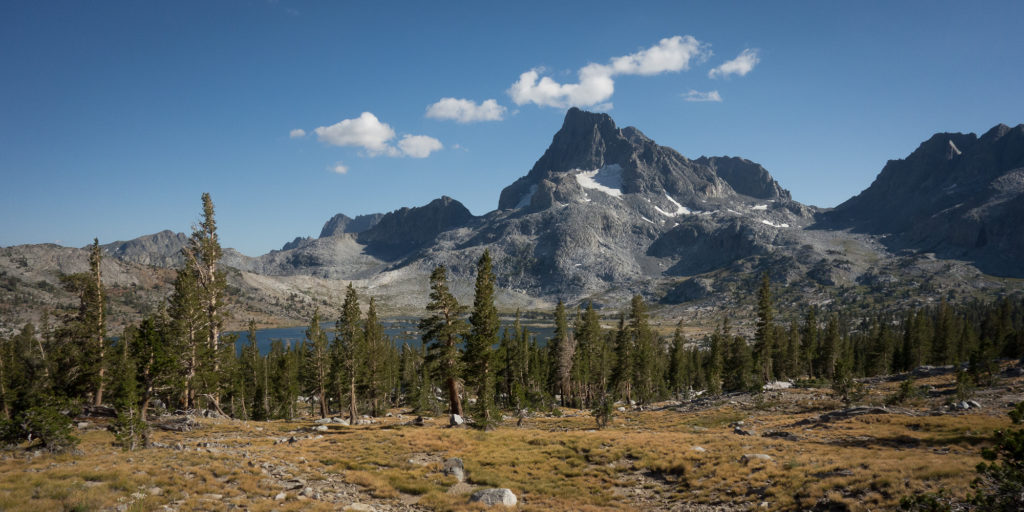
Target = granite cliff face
(958,196)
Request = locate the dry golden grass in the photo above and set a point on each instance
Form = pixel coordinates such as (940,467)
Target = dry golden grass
(644,460)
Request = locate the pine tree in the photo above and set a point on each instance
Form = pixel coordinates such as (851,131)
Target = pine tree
(98,329)
(130,429)
(155,358)
(716,359)
(483,334)
(586,363)
(831,348)
(764,336)
(317,362)
(5,377)
(622,374)
(679,375)
(561,348)
(376,358)
(443,330)
(739,375)
(202,255)
(347,351)
(517,355)
(187,325)
(809,343)
(80,358)
(647,354)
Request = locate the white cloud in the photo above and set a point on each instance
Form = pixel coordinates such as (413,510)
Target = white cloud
(369,133)
(297,133)
(466,111)
(595,83)
(741,65)
(702,96)
(365,131)
(418,146)
(670,54)
(339,168)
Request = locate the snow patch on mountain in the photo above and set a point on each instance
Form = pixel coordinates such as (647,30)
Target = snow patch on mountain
(607,179)
(774,225)
(680,209)
(527,197)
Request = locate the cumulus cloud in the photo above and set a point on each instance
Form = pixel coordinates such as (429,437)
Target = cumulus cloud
(365,131)
(702,96)
(369,133)
(418,146)
(466,111)
(339,168)
(596,84)
(297,133)
(741,65)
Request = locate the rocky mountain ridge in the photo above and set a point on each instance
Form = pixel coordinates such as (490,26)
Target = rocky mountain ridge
(606,213)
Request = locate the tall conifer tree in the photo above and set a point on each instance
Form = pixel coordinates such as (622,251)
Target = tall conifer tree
(483,334)
(443,329)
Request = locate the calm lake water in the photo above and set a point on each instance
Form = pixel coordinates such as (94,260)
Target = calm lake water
(399,329)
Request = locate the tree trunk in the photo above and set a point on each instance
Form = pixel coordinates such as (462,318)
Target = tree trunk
(352,398)
(101,343)
(453,396)
(214,335)
(323,401)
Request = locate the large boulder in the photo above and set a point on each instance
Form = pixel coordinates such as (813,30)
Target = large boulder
(491,497)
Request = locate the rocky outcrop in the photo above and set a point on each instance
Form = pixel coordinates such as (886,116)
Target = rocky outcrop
(161,249)
(407,229)
(342,223)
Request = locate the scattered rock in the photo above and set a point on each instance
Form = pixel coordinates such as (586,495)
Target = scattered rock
(746,458)
(155,491)
(280,496)
(781,434)
(698,449)
(929,371)
(777,385)
(974,404)
(454,467)
(82,425)
(455,420)
(320,428)
(491,497)
(358,507)
(740,431)
(178,424)
(1013,371)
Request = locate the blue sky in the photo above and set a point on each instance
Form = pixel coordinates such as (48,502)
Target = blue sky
(116,116)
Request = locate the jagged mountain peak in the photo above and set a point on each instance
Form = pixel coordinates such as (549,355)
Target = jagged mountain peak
(958,195)
(342,223)
(588,142)
(406,229)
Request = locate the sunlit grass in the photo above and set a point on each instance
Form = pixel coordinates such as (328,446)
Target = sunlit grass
(644,460)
